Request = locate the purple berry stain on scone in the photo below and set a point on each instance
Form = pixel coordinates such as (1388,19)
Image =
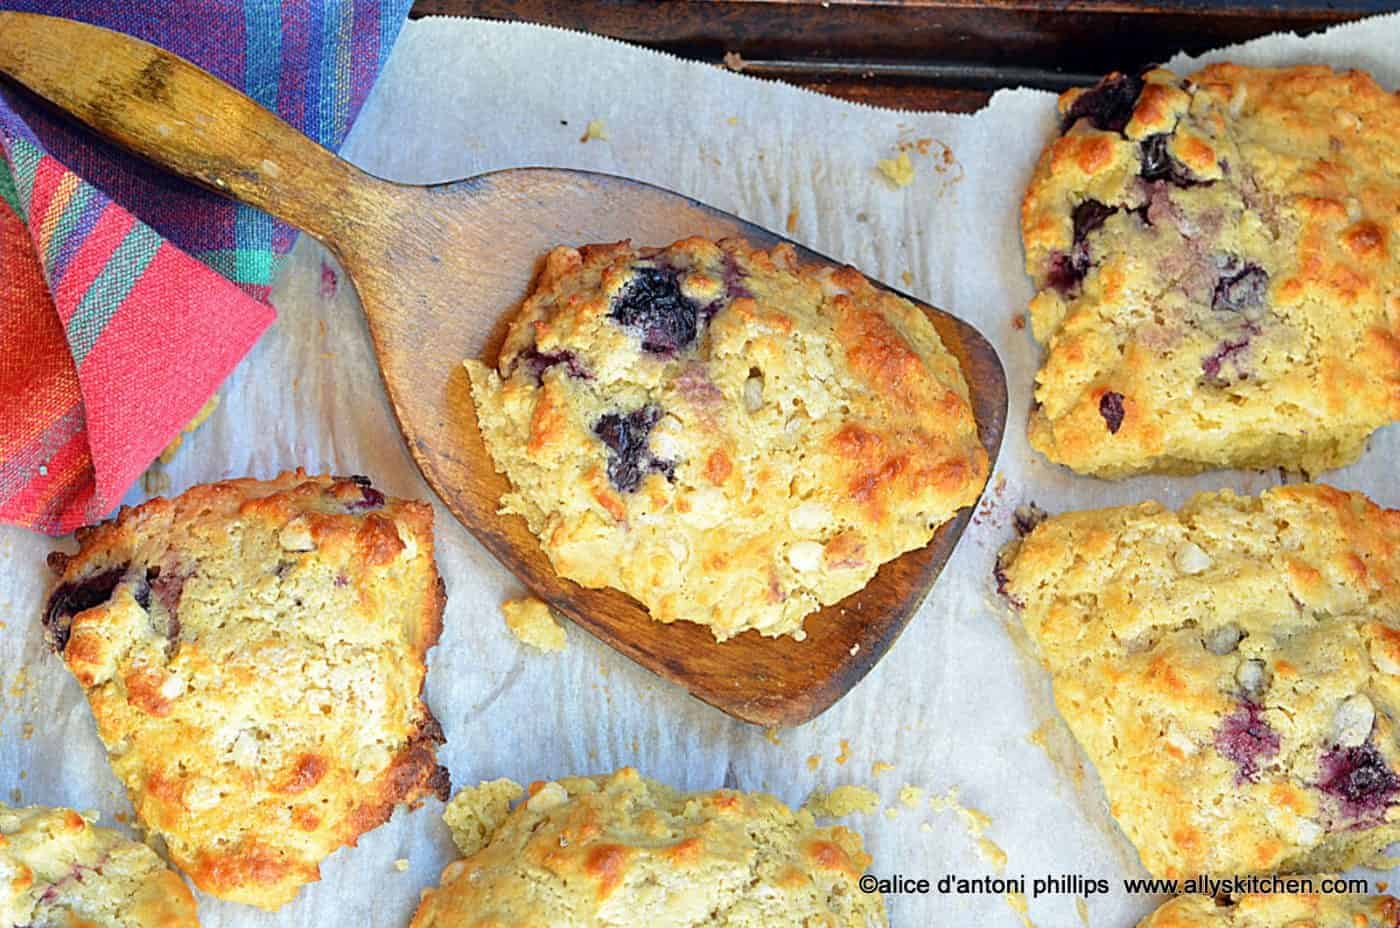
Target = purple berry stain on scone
(1108,105)
(535,362)
(652,305)
(1159,165)
(370,498)
(75,597)
(1241,289)
(1111,408)
(1360,779)
(629,458)
(1246,738)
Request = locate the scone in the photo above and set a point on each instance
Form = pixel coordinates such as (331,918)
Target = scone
(1218,267)
(621,850)
(1278,910)
(58,870)
(729,437)
(253,654)
(1232,670)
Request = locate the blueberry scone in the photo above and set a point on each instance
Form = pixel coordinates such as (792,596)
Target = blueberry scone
(1218,267)
(729,437)
(1279,910)
(621,850)
(253,654)
(58,870)
(1232,670)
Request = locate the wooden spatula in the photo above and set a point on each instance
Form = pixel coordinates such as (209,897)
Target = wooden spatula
(438,268)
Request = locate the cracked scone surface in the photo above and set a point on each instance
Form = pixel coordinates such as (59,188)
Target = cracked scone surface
(253,653)
(729,437)
(622,850)
(59,870)
(1232,670)
(1278,910)
(1218,267)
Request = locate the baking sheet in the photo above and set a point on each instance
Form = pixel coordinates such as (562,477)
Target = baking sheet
(954,705)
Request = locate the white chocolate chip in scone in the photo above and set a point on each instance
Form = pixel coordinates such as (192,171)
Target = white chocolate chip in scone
(1223,640)
(296,536)
(1253,677)
(809,518)
(1353,722)
(1191,559)
(805,556)
(547,797)
(753,393)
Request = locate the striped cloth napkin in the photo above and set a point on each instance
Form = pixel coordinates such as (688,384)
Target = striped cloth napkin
(128,296)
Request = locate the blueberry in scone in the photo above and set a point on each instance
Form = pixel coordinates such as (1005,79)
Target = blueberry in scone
(253,653)
(1278,910)
(730,437)
(1218,271)
(590,852)
(1232,670)
(59,870)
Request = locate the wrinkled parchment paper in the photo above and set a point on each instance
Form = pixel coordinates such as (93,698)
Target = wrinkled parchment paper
(954,705)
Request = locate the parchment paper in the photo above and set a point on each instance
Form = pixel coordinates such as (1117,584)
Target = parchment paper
(954,704)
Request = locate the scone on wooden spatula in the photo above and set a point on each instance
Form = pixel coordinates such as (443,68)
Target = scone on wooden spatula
(253,652)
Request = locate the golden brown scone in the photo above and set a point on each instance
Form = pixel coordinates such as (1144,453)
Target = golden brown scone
(729,437)
(1232,670)
(621,850)
(1218,266)
(253,654)
(1278,910)
(58,870)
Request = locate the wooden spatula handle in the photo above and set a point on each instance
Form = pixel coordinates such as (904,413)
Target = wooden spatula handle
(184,119)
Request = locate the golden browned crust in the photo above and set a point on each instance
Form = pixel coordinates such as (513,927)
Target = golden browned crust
(729,436)
(253,652)
(1218,276)
(622,849)
(58,868)
(1232,670)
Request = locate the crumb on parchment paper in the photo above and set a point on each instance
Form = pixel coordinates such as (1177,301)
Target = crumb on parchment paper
(531,621)
(1081,906)
(597,129)
(843,801)
(880,767)
(898,171)
(772,735)
(401,864)
(845,754)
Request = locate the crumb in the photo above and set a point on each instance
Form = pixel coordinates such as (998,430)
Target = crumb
(992,853)
(204,413)
(733,120)
(28,731)
(596,130)
(845,754)
(530,620)
(734,61)
(855,649)
(475,813)
(1082,907)
(922,145)
(1382,886)
(925,826)
(898,171)
(843,801)
(401,864)
(908,279)
(880,767)
(1026,517)
(911,796)
(892,812)
(1018,321)
(156,481)
(813,762)
(792,219)
(772,735)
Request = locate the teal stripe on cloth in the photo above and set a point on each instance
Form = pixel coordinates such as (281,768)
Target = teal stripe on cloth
(74,208)
(262,69)
(24,161)
(104,297)
(7,188)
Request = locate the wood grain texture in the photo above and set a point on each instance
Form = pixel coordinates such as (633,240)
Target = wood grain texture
(438,269)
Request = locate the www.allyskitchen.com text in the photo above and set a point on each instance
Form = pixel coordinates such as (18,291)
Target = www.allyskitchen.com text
(1076,884)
